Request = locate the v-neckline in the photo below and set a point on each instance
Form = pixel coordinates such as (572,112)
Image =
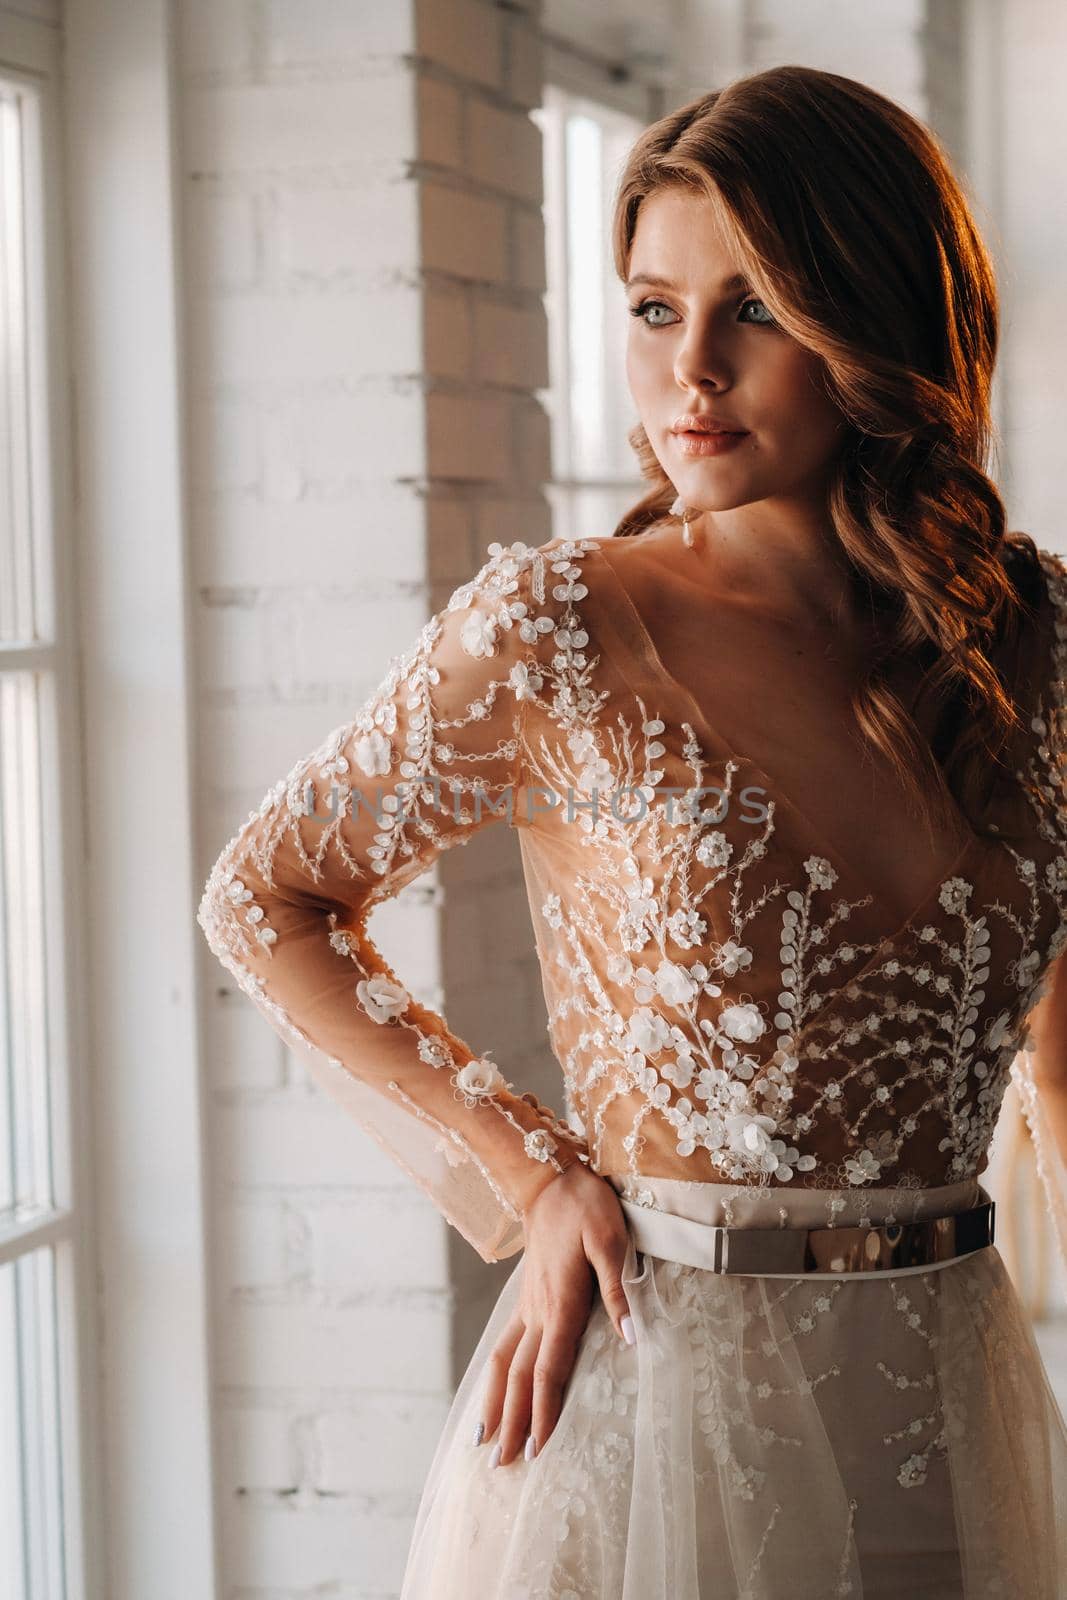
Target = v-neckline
(739,759)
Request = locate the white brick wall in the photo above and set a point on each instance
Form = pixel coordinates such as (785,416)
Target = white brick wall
(364,339)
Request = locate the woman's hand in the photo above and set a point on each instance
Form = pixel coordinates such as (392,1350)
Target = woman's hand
(575,1234)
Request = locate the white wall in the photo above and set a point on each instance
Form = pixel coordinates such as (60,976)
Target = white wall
(365,333)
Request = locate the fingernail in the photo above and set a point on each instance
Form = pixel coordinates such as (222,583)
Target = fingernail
(628,1333)
(494,1459)
(479,1433)
(531,1448)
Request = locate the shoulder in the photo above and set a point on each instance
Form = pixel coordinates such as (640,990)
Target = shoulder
(521,596)
(521,577)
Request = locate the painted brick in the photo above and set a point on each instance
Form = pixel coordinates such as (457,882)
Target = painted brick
(341,441)
(354,404)
(345,1244)
(827,19)
(374,538)
(224,442)
(288,1141)
(528,249)
(504,519)
(464,37)
(259,127)
(469,436)
(344,236)
(259,1449)
(447,350)
(439,111)
(250,1246)
(222,247)
(288,1549)
(510,345)
(331,32)
(387,1343)
(463,234)
(306,338)
(376,1444)
(533,443)
(239,1055)
(503,148)
(523,61)
(214,36)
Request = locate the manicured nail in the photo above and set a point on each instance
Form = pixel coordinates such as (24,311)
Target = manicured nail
(531,1448)
(479,1433)
(628,1333)
(494,1459)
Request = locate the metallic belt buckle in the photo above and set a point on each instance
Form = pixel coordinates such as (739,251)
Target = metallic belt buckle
(881,1248)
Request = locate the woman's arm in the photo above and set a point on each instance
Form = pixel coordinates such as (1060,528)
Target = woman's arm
(1040,1074)
(1048,1034)
(431,758)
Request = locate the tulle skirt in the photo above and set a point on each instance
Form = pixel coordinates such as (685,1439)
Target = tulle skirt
(862,1435)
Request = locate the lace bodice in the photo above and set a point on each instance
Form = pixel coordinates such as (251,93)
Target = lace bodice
(729,1001)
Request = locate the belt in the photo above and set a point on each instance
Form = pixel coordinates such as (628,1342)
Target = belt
(826,1252)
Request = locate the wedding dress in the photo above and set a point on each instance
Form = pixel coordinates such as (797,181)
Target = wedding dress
(747,1034)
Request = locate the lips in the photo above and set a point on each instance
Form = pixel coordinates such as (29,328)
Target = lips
(697,424)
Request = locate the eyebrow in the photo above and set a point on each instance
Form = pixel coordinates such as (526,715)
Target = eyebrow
(738,281)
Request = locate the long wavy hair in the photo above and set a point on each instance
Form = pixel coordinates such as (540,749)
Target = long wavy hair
(847,218)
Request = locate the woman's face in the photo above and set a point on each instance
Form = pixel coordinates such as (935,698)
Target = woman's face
(702,342)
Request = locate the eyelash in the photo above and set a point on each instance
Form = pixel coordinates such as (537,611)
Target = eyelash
(639,311)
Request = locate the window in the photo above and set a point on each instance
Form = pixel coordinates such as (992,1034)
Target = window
(40,1397)
(594,470)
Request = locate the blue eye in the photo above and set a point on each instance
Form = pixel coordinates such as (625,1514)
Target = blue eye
(650,305)
(754,302)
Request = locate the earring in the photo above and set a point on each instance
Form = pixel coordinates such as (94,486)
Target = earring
(680,509)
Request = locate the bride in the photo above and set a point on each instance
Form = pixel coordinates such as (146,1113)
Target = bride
(784,754)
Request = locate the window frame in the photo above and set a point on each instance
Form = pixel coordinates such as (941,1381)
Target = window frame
(30,56)
(573,86)
(130,1225)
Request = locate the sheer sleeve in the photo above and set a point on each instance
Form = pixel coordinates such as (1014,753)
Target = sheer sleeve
(1037,1099)
(433,756)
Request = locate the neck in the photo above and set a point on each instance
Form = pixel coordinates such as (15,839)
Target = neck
(790,566)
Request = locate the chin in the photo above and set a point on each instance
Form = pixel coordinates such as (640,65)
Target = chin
(719,497)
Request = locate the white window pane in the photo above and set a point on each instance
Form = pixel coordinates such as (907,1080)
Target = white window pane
(585,298)
(595,472)
(31,1545)
(17,619)
(25,1166)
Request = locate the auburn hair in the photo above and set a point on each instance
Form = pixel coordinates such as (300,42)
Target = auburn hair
(848,221)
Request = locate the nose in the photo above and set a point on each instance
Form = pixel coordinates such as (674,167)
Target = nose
(700,361)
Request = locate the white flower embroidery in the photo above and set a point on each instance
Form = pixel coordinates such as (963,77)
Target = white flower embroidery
(955,892)
(742,1022)
(525,683)
(539,1144)
(382,999)
(648,1032)
(674,983)
(552,911)
(480,1077)
(714,850)
(862,1168)
(478,634)
(373,754)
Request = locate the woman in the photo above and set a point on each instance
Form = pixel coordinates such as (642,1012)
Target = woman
(785,761)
